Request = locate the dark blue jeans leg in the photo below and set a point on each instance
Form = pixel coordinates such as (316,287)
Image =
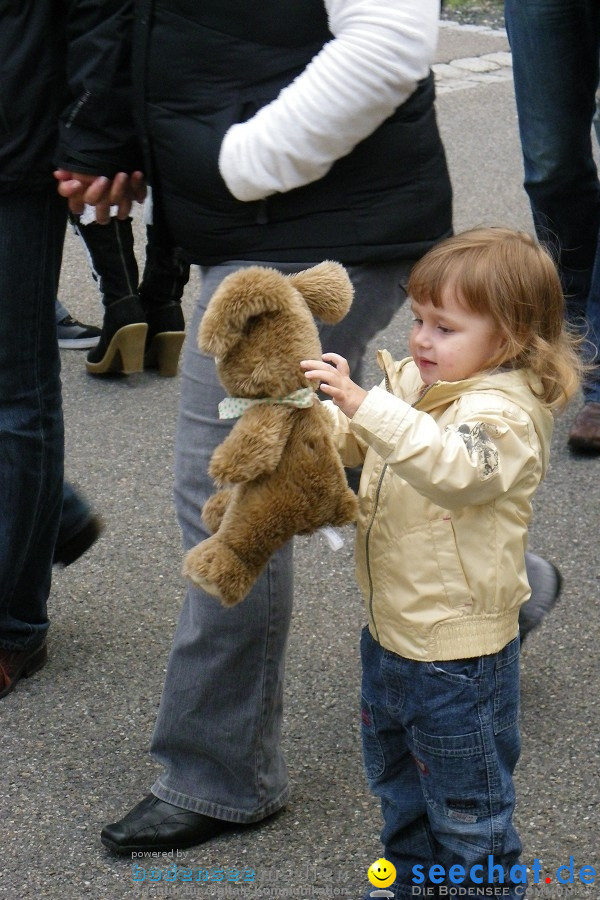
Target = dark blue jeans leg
(441,741)
(555,46)
(32,228)
(391,772)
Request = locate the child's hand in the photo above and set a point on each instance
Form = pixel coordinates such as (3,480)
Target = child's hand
(335,381)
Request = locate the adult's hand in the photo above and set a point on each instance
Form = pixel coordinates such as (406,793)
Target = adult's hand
(101,192)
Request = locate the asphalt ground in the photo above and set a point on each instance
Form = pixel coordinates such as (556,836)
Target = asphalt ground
(74,738)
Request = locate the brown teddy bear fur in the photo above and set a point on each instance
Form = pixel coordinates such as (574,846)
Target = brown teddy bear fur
(279,469)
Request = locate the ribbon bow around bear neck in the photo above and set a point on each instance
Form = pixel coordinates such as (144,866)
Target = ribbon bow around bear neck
(233,407)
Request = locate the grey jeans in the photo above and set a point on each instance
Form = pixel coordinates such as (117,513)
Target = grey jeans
(219,724)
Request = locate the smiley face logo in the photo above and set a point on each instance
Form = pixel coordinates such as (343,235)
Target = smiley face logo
(381,873)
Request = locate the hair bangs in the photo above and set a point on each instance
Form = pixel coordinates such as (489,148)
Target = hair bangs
(453,266)
(510,277)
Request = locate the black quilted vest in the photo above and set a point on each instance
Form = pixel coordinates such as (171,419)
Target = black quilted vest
(202,65)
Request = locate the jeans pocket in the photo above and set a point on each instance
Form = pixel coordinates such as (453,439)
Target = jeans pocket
(457,670)
(372,750)
(454,775)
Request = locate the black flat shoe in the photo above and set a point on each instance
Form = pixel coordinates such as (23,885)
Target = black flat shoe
(156,825)
(17,664)
(69,550)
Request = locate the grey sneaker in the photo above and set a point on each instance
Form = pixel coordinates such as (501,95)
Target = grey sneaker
(546,584)
(73,335)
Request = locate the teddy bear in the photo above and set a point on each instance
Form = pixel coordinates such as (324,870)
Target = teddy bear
(278,470)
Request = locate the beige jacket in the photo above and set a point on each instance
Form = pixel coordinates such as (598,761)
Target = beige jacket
(449,472)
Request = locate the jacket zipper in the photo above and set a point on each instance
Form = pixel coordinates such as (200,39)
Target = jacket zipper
(367,537)
(388,388)
(78,106)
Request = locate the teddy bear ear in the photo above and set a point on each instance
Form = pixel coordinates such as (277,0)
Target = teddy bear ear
(241,296)
(327,290)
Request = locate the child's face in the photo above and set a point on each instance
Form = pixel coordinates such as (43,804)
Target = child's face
(451,342)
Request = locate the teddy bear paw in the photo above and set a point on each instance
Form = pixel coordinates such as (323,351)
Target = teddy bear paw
(215,568)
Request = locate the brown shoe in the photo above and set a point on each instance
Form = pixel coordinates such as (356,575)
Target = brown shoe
(585,430)
(17,664)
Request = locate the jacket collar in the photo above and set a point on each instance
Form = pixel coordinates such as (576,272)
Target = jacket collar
(514,384)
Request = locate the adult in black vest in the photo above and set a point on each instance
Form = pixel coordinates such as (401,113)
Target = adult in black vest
(281,140)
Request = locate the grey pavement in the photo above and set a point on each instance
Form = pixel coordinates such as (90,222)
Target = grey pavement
(75,737)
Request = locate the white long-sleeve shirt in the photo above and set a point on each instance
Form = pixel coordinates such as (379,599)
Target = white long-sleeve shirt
(380,51)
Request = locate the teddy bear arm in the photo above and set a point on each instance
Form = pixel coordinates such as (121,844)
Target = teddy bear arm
(253,447)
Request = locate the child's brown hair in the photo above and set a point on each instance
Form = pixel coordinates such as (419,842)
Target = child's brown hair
(506,274)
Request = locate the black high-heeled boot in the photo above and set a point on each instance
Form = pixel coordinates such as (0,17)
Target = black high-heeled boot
(123,340)
(161,290)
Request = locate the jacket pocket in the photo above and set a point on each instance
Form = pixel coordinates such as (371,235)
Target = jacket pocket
(449,567)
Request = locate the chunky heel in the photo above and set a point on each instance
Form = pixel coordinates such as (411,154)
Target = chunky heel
(125,352)
(163,352)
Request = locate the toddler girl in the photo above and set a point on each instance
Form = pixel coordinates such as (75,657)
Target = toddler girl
(453,445)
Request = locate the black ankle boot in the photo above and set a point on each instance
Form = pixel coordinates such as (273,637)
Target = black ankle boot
(122,342)
(168,317)
(165,277)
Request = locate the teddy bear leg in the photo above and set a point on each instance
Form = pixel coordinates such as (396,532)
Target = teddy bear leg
(215,568)
(214,510)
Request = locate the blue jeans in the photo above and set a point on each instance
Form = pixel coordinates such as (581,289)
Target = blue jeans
(60,311)
(32,227)
(219,723)
(555,46)
(440,742)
